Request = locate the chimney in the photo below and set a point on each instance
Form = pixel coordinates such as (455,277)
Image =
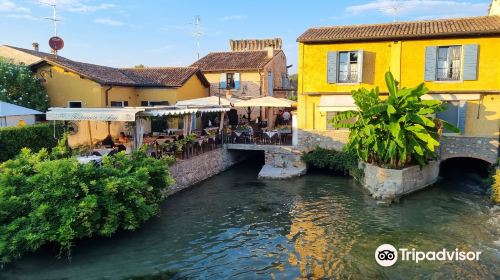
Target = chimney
(270,51)
(35,46)
(494,8)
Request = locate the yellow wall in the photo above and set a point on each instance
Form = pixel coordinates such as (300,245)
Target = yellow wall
(406,60)
(63,86)
(413,63)
(193,88)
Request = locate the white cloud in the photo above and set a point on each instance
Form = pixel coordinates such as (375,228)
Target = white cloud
(419,8)
(108,21)
(80,6)
(233,17)
(9,6)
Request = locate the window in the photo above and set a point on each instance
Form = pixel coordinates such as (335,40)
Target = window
(449,63)
(75,104)
(230,81)
(348,67)
(455,113)
(283,81)
(154,103)
(119,104)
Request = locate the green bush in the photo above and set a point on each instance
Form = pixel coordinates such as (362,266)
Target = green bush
(397,131)
(18,85)
(344,162)
(495,188)
(48,199)
(35,137)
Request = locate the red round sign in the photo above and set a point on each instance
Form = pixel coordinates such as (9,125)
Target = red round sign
(56,43)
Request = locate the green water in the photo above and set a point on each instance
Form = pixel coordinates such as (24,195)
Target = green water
(234,226)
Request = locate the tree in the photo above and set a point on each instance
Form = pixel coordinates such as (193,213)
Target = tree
(397,131)
(18,85)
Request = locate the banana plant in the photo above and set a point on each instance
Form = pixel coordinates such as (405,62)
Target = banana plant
(397,131)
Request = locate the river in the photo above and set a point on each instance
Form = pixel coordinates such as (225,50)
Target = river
(317,226)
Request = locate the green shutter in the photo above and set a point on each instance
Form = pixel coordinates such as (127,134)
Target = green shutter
(430,63)
(331,65)
(470,62)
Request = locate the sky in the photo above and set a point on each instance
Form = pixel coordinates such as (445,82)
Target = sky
(161,33)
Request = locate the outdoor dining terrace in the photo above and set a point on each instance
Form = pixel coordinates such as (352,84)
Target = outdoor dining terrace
(187,130)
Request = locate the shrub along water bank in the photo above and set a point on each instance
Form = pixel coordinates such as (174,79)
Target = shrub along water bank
(341,162)
(34,137)
(52,199)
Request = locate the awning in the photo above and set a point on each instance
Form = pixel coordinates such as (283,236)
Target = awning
(93,114)
(169,112)
(267,101)
(452,97)
(336,103)
(208,101)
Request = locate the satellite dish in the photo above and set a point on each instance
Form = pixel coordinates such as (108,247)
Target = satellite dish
(56,43)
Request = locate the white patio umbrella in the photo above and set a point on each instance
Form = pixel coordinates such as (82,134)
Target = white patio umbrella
(266,101)
(208,101)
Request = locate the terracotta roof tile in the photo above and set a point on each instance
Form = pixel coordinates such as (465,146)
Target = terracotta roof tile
(487,25)
(235,60)
(135,77)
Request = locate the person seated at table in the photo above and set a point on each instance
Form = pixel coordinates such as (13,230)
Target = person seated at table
(123,139)
(108,142)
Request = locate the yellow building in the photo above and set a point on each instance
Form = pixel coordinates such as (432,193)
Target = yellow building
(76,84)
(457,59)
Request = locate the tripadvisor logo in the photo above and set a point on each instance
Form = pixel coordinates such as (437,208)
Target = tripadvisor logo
(387,255)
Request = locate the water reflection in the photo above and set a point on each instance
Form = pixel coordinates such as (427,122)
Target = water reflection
(237,227)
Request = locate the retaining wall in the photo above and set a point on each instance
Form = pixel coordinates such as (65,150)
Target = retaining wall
(196,169)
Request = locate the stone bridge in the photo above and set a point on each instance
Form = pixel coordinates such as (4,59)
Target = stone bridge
(281,162)
(483,148)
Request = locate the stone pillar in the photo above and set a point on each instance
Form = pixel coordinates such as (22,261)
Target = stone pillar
(295,131)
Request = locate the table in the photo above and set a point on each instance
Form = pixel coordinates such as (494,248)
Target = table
(87,159)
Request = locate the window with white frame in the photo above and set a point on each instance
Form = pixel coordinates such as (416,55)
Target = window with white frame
(75,104)
(119,104)
(348,67)
(449,63)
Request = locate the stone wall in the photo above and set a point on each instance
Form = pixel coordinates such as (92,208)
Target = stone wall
(308,140)
(199,168)
(389,184)
(484,148)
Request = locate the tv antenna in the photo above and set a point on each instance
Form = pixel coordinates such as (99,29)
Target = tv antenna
(54,18)
(197,33)
(395,10)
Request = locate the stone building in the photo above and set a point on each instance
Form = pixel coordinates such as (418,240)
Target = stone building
(252,68)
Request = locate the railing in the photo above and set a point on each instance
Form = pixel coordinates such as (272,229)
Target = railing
(280,138)
(198,147)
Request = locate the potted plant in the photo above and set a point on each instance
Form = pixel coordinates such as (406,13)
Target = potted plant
(395,137)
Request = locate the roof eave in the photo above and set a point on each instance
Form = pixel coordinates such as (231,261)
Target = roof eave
(408,37)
